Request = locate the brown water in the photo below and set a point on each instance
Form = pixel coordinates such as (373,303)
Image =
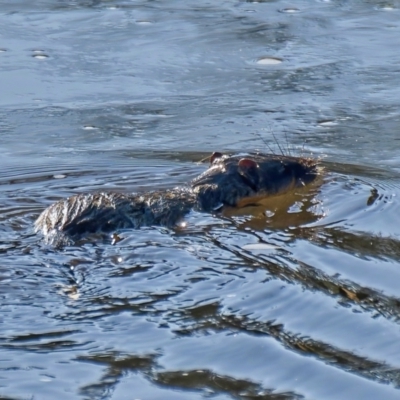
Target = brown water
(295,298)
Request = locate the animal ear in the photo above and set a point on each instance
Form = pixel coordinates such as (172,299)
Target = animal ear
(214,156)
(246,163)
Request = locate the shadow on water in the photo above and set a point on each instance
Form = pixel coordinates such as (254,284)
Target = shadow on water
(203,381)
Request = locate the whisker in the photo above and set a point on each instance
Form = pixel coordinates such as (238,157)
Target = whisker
(265,142)
(277,143)
(287,144)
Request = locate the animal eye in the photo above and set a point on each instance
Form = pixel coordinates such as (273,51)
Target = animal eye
(283,168)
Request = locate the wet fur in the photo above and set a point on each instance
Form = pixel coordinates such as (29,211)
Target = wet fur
(229,181)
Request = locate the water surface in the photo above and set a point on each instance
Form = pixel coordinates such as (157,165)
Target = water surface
(295,298)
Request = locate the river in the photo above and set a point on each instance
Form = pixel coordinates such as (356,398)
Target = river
(296,298)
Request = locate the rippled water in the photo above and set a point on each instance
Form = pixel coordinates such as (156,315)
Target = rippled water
(295,298)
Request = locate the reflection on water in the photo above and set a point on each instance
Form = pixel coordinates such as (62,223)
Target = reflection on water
(293,297)
(251,279)
(292,209)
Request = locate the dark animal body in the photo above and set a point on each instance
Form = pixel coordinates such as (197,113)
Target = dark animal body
(229,181)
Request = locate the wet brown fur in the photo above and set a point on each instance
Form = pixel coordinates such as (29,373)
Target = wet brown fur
(229,181)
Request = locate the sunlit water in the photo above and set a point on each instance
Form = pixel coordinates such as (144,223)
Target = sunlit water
(295,298)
